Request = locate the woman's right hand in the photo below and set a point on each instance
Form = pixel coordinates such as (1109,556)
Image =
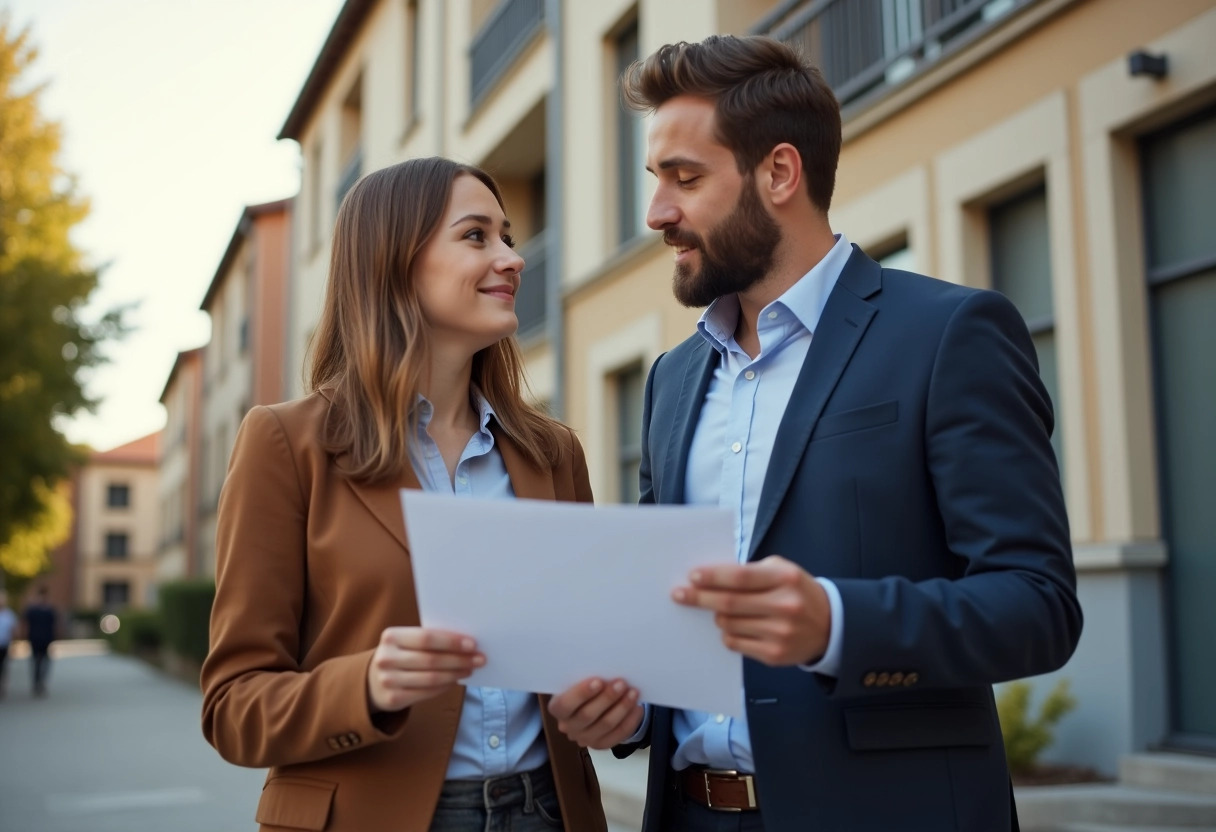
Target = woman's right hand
(412,664)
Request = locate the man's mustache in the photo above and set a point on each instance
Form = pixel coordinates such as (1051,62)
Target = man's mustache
(681,239)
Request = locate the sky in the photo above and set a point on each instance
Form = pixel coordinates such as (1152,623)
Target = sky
(169,111)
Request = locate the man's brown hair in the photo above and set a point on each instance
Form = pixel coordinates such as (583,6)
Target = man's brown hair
(764,94)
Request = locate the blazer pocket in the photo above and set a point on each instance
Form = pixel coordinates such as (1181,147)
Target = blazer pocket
(873,416)
(296,803)
(886,728)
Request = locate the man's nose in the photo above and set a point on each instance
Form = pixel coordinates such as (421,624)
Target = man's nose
(661,213)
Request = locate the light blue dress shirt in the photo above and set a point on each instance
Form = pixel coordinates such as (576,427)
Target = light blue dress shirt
(500,731)
(730,454)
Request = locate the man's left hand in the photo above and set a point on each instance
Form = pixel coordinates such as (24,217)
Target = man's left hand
(771,610)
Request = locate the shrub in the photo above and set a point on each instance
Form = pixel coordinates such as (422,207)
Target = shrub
(185,607)
(1025,738)
(139,632)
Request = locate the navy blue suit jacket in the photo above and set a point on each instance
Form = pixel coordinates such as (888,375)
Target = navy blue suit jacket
(913,467)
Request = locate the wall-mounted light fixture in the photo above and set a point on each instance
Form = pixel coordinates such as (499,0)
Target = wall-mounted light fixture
(1146,63)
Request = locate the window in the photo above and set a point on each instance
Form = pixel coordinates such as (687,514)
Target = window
(895,255)
(351,146)
(629,391)
(630,144)
(118,495)
(243,337)
(412,62)
(1021,270)
(115,594)
(117,545)
(314,197)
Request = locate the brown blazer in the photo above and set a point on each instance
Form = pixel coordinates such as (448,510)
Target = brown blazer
(310,568)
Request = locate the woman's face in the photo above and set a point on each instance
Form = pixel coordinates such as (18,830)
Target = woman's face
(468,273)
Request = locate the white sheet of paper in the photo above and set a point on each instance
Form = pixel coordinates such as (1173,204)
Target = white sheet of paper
(557,592)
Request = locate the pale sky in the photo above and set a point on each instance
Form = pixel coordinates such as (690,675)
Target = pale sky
(169,110)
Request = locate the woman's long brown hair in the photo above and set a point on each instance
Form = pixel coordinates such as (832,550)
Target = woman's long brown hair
(371,347)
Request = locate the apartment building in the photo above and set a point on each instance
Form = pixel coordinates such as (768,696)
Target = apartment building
(1060,151)
(180,468)
(243,363)
(117,527)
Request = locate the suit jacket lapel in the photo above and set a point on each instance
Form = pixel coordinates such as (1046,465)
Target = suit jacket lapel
(845,319)
(698,371)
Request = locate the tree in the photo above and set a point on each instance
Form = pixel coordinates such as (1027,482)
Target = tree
(45,340)
(26,555)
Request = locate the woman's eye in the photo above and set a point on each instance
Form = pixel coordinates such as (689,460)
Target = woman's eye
(476,235)
(509,240)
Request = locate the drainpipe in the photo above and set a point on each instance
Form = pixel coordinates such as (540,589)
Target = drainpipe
(555,209)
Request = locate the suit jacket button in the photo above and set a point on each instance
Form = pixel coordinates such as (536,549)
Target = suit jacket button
(897,678)
(333,743)
(883,679)
(354,738)
(911,679)
(869,679)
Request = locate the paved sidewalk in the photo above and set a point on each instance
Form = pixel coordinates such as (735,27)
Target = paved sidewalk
(115,747)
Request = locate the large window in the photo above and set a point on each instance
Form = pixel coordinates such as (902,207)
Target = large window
(115,594)
(118,495)
(629,391)
(1180,202)
(1021,270)
(630,146)
(118,546)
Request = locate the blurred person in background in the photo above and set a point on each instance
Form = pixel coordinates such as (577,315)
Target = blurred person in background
(8,628)
(318,667)
(41,628)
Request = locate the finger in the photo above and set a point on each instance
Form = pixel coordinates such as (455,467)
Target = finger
(757,576)
(618,723)
(762,650)
(564,705)
(586,720)
(419,679)
(726,602)
(754,627)
(422,638)
(393,659)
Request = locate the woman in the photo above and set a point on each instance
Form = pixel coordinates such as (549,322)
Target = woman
(318,668)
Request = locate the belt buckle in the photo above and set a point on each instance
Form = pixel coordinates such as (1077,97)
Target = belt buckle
(730,772)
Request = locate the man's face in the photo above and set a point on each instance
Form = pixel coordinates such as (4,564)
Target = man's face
(724,239)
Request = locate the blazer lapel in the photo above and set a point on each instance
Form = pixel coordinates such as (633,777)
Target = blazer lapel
(527,481)
(845,319)
(698,371)
(384,502)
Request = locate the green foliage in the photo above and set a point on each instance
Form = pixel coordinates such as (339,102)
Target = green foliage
(185,608)
(139,631)
(45,340)
(27,554)
(1025,738)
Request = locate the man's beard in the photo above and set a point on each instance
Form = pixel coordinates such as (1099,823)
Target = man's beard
(743,246)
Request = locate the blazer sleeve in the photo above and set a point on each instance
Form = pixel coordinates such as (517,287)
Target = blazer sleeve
(260,707)
(582,480)
(1014,611)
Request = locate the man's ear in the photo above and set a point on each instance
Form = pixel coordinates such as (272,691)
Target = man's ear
(784,168)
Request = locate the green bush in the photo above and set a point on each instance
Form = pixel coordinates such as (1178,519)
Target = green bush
(139,631)
(1026,738)
(185,608)
(84,622)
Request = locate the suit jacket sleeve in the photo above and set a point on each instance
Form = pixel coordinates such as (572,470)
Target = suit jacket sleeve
(1012,611)
(260,706)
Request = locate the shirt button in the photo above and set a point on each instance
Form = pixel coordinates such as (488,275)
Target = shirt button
(720,718)
(494,741)
(749,375)
(772,314)
(736,447)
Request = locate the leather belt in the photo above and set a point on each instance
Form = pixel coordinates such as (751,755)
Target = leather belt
(718,789)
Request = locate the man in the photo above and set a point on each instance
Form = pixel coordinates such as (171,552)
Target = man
(884,442)
(40,631)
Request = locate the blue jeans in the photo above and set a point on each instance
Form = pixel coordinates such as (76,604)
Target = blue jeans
(525,802)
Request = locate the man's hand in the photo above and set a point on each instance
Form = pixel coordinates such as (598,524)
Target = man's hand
(412,664)
(598,714)
(771,610)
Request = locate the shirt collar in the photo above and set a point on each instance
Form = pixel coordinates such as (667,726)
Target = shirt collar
(805,299)
(485,410)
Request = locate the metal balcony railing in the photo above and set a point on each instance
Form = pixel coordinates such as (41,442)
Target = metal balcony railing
(862,46)
(349,176)
(500,40)
(530,300)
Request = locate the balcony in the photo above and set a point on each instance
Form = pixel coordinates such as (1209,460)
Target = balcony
(864,47)
(530,302)
(510,28)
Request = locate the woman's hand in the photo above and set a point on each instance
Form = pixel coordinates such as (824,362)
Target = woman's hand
(412,664)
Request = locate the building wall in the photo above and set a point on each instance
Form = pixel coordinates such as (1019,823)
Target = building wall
(140,521)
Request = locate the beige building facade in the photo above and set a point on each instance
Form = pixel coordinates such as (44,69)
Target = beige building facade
(243,363)
(180,467)
(1059,151)
(117,527)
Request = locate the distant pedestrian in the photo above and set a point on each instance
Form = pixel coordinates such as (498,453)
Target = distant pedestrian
(40,630)
(8,627)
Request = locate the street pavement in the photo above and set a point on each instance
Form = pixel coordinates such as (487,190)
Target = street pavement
(116,746)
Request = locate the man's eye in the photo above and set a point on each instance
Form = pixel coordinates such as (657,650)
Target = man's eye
(683,183)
